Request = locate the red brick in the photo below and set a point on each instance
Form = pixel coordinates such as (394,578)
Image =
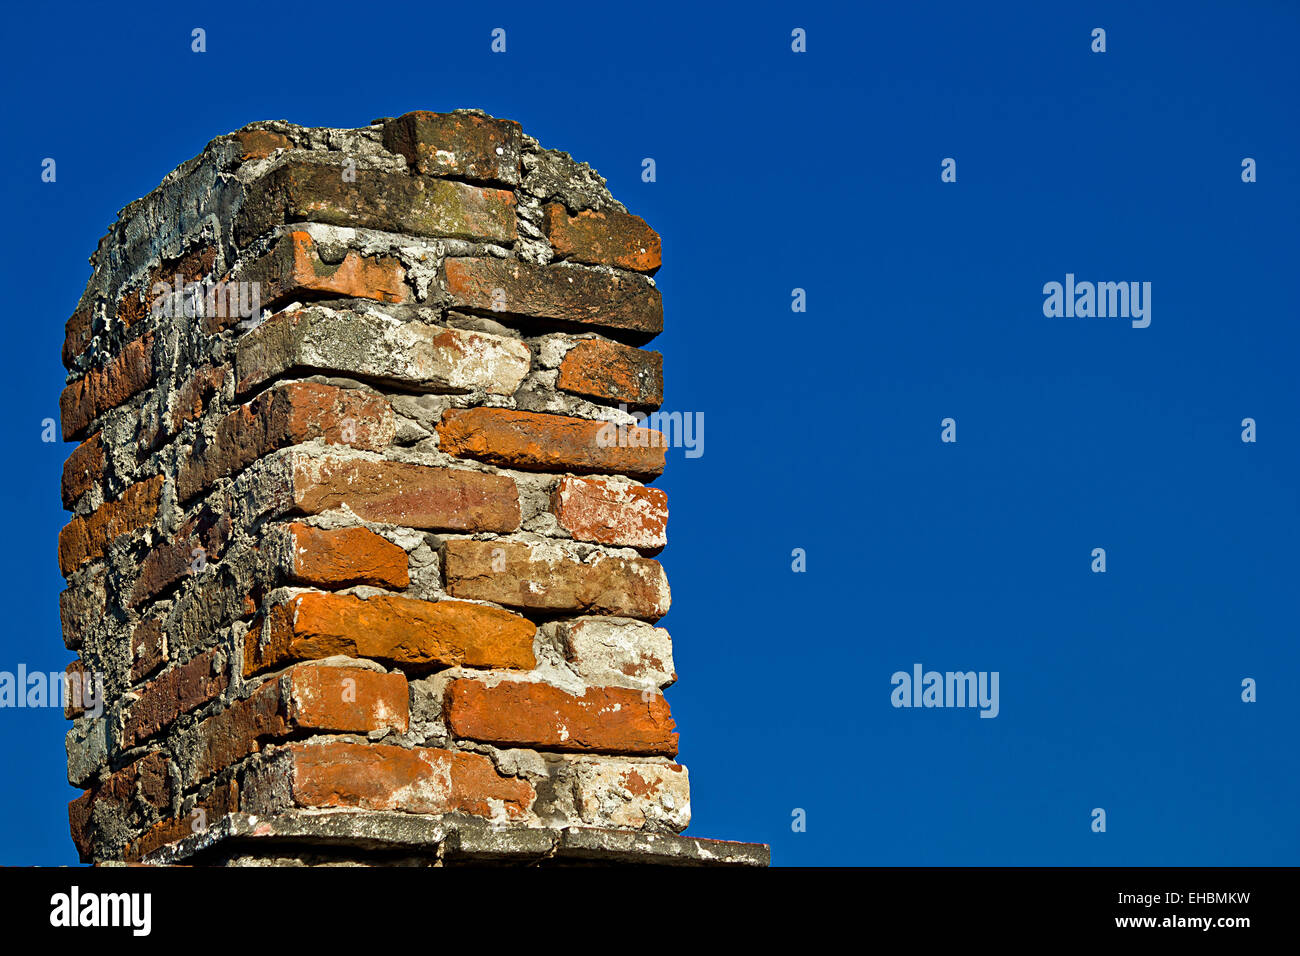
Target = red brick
(604,238)
(559,293)
(207,532)
(174,692)
(347,699)
(616,373)
(307,697)
(83,469)
(85,538)
(338,773)
(77,334)
(531,441)
(457,144)
(79,822)
(220,800)
(414,634)
(103,388)
(137,793)
(293,270)
(605,511)
(284,416)
(613,720)
(516,575)
(375,199)
(345,557)
(411,495)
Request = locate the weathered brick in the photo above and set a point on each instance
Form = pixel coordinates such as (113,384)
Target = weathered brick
(346,699)
(103,388)
(83,469)
(260,143)
(148,648)
(535,442)
(559,293)
(603,238)
(457,144)
(375,199)
(85,538)
(292,270)
(544,579)
(287,415)
(79,823)
(320,698)
(191,399)
(618,652)
(82,607)
(176,691)
(414,634)
(611,372)
(74,698)
(221,799)
(138,793)
(200,541)
(86,744)
(338,773)
(613,720)
(345,557)
(379,347)
(637,796)
(193,266)
(407,494)
(612,511)
(77,334)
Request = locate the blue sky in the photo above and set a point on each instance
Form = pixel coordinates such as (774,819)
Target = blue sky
(821,171)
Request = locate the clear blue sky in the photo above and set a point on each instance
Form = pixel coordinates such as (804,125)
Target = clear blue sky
(821,171)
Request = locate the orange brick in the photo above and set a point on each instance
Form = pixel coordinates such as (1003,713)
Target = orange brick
(607,237)
(338,773)
(101,389)
(85,538)
(293,269)
(531,441)
(513,574)
(83,469)
(407,494)
(284,416)
(605,511)
(396,630)
(613,720)
(611,372)
(345,557)
(306,697)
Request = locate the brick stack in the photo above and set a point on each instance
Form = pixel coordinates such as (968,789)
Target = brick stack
(352,548)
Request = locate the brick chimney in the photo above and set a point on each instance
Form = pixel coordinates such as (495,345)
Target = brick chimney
(360,567)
